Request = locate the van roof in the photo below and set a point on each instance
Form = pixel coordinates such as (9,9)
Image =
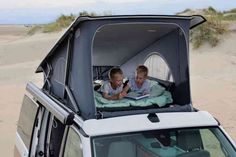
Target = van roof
(136,123)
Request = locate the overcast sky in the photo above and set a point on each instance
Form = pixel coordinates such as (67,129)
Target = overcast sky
(44,11)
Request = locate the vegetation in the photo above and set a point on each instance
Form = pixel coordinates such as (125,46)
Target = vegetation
(230,11)
(230,16)
(61,22)
(211,31)
(184,12)
(34,29)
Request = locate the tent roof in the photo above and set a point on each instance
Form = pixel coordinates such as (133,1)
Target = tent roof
(194,21)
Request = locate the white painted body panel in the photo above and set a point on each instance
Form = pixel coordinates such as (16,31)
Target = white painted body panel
(135,123)
(20,146)
(229,138)
(87,150)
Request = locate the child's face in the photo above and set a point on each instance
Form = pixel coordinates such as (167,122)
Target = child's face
(117,80)
(140,78)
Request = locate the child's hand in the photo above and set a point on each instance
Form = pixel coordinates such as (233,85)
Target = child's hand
(122,94)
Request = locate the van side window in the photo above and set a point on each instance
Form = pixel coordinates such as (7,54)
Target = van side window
(26,121)
(158,68)
(73,147)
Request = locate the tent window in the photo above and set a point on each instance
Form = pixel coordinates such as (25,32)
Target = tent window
(60,69)
(158,68)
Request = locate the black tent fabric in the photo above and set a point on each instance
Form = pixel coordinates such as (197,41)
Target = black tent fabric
(92,45)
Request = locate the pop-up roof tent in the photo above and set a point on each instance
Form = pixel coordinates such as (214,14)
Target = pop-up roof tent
(92,45)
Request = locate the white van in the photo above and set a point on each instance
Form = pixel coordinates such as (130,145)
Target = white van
(68,117)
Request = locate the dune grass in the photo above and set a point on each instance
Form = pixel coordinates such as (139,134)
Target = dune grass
(230,16)
(211,31)
(62,22)
(34,29)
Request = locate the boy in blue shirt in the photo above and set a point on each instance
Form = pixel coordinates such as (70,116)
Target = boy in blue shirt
(139,83)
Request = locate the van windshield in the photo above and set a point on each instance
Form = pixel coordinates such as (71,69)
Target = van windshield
(193,142)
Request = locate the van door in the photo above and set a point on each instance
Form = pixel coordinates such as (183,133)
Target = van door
(48,124)
(47,136)
(30,116)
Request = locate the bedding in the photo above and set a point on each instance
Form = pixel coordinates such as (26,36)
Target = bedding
(158,96)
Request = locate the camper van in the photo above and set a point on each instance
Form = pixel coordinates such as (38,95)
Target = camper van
(69,117)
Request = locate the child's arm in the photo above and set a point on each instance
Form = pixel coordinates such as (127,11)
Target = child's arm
(105,91)
(114,97)
(108,97)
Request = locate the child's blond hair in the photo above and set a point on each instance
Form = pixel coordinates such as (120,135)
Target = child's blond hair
(142,69)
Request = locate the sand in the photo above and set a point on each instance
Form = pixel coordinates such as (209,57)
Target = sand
(20,55)
(212,71)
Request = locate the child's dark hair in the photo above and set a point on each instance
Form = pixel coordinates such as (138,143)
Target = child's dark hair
(113,71)
(142,69)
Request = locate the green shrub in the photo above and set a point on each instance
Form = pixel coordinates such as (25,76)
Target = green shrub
(186,11)
(230,11)
(34,29)
(209,32)
(85,13)
(230,16)
(61,22)
(233,10)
